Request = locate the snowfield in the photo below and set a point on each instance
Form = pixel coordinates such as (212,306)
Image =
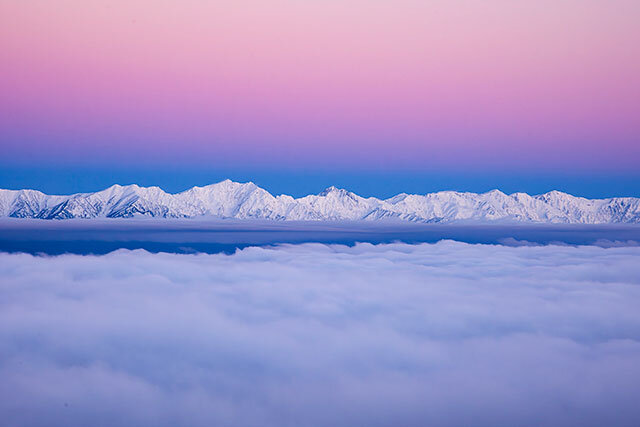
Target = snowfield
(229,199)
(315,335)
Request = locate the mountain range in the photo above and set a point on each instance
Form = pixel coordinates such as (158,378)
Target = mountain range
(228,199)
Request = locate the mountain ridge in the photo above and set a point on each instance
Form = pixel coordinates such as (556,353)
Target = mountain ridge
(229,199)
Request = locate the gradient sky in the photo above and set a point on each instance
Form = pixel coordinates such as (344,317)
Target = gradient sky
(410,92)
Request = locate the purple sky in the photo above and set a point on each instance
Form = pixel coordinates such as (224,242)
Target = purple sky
(508,87)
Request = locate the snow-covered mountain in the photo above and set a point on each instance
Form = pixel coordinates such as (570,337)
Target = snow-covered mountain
(229,199)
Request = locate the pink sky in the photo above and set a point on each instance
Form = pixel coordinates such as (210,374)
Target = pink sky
(390,83)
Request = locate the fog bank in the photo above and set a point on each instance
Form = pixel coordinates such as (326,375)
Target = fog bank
(310,335)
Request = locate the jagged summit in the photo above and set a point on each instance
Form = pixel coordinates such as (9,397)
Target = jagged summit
(335,191)
(328,190)
(229,199)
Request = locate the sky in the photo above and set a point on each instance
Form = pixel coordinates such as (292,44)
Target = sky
(443,334)
(378,96)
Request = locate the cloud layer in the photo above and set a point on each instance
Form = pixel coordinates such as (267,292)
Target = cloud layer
(397,334)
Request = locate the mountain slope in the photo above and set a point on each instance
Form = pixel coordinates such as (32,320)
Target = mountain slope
(228,199)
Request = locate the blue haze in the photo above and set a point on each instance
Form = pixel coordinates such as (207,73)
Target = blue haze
(226,236)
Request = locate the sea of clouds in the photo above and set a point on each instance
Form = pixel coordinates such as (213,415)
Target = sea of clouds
(315,335)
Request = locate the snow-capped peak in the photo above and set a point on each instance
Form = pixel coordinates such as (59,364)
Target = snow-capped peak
(335,191)
(229,199)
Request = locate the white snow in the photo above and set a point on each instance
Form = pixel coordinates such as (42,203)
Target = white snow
(228,199)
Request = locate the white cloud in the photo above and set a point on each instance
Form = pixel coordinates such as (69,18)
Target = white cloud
(398,334)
